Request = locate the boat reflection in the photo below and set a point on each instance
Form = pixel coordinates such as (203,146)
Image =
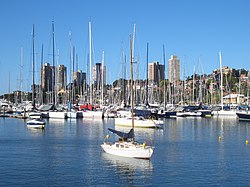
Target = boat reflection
(54,121)
(129,168)
(34,132)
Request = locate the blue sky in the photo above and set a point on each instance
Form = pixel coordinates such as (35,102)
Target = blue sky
(194,30)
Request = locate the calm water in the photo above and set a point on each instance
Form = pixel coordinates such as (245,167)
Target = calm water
(68,153)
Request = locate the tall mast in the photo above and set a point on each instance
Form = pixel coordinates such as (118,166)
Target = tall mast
(133,61)
(239,82)
(133,43)
(53,57)
(147,79)
(102,87)
(131,79)
(124,76)
(73,69)
(86,83)
(90,61)
(164,86)
(21,76)
(41,77)
(70,66)
(221,80)
(193,85)
(33,66)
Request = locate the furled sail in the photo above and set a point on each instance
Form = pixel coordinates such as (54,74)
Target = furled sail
(129,135)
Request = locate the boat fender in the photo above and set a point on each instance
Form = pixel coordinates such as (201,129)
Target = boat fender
(219,138)
(107,136)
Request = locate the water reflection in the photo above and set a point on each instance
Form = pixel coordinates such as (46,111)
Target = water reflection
(36,132)
(55,121)
(129,170)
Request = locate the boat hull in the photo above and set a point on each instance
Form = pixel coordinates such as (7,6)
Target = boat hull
(224,113)
(56,115)
(128,149)
(243,116)
(146,123)
(92,114)
(34,115)
(36,124)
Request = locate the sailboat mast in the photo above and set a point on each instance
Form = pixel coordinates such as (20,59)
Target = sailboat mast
(21,76)
(131,77)
(124,77)
(102,87)
(53,57)
(147,79)
(90,61)
(41,77)
(70,66)
(164,86)
(221,80)
(73,69)
(33,66)
(193,85)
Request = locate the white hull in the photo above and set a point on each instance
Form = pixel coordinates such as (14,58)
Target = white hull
(139,122)
(34,115)
(92,114)
(225,113)
(188,114)
(128,149)
(36,124)
(123,113)
(56,115)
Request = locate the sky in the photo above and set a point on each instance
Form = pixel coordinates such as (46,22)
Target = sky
(194,30)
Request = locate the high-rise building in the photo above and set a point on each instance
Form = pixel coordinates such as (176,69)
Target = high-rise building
(46,77)
(79,78)
(173,69)
(98,76)
(61,78)
(156,72)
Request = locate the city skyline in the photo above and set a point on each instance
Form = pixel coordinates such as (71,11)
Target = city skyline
(194,31)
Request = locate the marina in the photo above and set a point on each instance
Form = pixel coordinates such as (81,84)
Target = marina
(128,93)
(188,152)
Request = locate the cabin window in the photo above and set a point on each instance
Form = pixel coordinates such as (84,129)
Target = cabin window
(122,146)
(117,145)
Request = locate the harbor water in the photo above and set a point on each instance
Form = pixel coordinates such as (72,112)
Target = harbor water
(188,152)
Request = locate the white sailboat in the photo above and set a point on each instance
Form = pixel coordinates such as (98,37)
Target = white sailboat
(139,122)
(222,112)
(35,120)
(91,114)
(127,146)
(55,114)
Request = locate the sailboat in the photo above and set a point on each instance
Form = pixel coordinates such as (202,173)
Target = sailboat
(222,112)
(92,113)
(54,113)
(127,146)
(36,121)
(244,115)
(140,121)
